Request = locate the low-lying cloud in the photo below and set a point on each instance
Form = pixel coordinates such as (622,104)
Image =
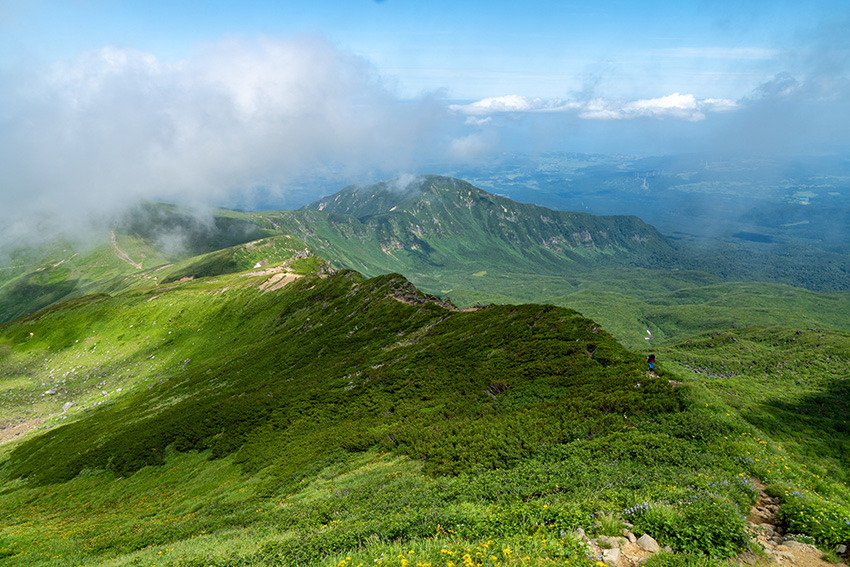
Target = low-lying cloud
(95,135)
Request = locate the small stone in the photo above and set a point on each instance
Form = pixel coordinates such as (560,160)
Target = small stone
(648,543)
(630,536)
(668,549)
(766,528)
(791,544)
(748,557)
(841,549)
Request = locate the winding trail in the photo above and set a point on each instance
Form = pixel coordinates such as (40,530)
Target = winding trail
(121,254)
(764,521)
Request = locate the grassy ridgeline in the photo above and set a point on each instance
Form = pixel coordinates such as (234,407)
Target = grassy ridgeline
(335,418)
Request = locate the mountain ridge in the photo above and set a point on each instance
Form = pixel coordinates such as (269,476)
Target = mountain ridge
(436,207)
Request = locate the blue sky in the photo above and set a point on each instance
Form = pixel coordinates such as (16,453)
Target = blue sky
(465,50)
(104,103)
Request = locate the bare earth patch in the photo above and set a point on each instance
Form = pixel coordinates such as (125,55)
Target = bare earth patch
(14,431)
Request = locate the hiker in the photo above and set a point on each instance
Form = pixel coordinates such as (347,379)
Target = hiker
(651,361)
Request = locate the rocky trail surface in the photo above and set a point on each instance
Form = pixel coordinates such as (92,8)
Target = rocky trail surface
(763,522)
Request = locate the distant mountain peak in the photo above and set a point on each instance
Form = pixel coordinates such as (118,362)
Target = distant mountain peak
(364,201)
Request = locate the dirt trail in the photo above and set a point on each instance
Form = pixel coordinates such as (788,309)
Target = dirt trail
(121,254)
(764,521)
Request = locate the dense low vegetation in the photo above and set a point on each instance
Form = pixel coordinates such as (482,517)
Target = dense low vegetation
(213,393)
(338,420)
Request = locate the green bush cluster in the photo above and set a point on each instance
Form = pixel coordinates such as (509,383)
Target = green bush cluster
(809,513)
(706,524)
(339,363)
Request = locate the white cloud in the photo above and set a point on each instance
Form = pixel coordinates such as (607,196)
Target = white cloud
(675,106)
(471,147)
(473,121)
(91,136)
(508,103)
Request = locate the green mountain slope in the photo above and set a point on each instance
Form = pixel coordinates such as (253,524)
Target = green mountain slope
(271,417)
(156,243)
(450,239)
(450,224)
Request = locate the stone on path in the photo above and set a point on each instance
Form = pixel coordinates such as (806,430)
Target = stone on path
(648,543)
(611,556)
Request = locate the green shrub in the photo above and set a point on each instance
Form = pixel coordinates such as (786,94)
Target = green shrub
(808,513)
(704,524)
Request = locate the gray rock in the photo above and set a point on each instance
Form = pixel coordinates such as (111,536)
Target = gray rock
(609,542)
(791,544)
(668,549)
(748,557)
(51,391)
(841,549)
(611,556)
(68,405)
(766,528)
(629,536)
(648,543)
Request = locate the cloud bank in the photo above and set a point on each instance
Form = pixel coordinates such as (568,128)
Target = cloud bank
(674,106)
(95,135)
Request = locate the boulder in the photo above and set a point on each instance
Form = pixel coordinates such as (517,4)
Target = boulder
(611,556)
(648,543)
(609,542)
